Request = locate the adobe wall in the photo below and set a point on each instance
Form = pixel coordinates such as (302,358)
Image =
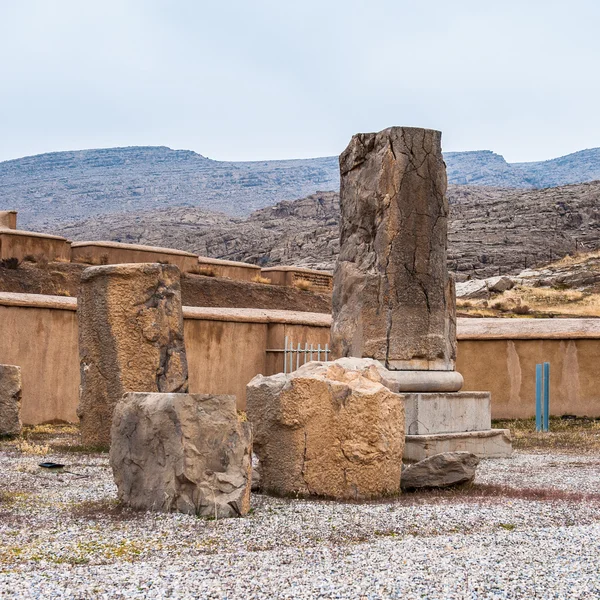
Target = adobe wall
(114,253)
(227,347)
(19,244)
(228,268)
(500,355)
(321,280)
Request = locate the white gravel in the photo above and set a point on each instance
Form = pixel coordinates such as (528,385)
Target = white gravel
(64,537)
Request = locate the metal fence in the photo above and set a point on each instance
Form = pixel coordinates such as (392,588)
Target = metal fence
(294,355)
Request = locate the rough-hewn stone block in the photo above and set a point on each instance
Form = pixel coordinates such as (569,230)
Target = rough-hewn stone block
(326,430)
(189,453)
(130,340)
(10,400)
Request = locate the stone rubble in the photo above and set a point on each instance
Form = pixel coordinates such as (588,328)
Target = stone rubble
(447,469)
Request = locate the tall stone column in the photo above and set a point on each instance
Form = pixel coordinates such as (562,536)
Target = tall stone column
(130,340)
(393,299)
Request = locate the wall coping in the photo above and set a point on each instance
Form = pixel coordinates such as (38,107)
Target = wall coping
(468,329)
(123,246)
(35,234)
(205,260)
(257,315)
(298,269)
(527,329)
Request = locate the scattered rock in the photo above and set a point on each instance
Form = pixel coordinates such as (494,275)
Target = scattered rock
(393,299)
(130,340)
(189,453)
(325,430)
(440,470)
(10,400)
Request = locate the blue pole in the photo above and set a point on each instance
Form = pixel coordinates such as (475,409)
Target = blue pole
(538,397)
(546,396)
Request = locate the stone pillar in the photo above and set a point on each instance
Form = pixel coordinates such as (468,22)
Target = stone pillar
(130,340)
(393,299)
(10,400)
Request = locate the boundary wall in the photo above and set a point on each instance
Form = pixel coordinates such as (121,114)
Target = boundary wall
(226,347)
(321,281)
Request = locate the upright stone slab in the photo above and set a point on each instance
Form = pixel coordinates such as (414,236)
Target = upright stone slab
(130,340)
(393,299)
(10,400)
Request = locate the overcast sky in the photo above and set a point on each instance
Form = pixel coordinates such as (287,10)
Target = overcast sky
(260,79)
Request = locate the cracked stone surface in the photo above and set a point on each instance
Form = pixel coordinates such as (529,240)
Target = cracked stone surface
(188,453)
(10,400)
(130,340)
(327,430)
(393,299)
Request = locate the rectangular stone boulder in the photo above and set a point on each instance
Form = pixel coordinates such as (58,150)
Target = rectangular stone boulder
(130,340)
(10,400)
(393,299)
(327,430)
(190,453)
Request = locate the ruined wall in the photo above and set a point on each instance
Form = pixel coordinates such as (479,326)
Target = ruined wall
(227,347)
(228,268)
(321,281)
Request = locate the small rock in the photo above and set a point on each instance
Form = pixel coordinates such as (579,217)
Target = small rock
(440,470)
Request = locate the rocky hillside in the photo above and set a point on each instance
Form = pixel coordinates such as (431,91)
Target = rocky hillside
(63,186)
(492,231)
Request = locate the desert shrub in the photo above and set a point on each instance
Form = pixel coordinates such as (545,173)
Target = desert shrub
(30,258)
(521,309)
(104,259)
(207,271)
(62,292)
(260,279)
(303,284)
(501,306)
(10,263)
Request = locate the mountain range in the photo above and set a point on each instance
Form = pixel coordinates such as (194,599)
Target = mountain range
(55,188)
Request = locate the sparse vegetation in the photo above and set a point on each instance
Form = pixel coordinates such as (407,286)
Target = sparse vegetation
(104,259)
(207,271)
(10,263)
(260,279)
(567,434)
(303,284)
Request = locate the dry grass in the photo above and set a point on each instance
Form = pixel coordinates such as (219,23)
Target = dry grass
(577,258)
(260,279)
(206,271)
(535,302)
(567,434)
(303,284)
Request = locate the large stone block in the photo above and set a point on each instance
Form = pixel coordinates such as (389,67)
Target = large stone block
(190,453)
(393,299)
(130,340)
(10,400)
(326,430)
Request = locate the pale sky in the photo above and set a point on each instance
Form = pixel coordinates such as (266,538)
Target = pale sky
(262,79)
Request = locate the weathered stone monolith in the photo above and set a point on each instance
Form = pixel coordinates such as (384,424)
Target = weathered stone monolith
(189,453)
(130,340)
(393,299)
(327,429)
(10,400)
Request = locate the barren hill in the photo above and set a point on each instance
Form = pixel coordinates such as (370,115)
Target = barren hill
(63,186)
(492,231)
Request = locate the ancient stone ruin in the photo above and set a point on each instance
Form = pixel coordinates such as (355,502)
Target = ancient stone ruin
(189,453)
(327,429)
(393,299)
(130,340)
(10,400)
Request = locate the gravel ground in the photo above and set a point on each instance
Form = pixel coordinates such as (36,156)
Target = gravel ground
(529,528)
